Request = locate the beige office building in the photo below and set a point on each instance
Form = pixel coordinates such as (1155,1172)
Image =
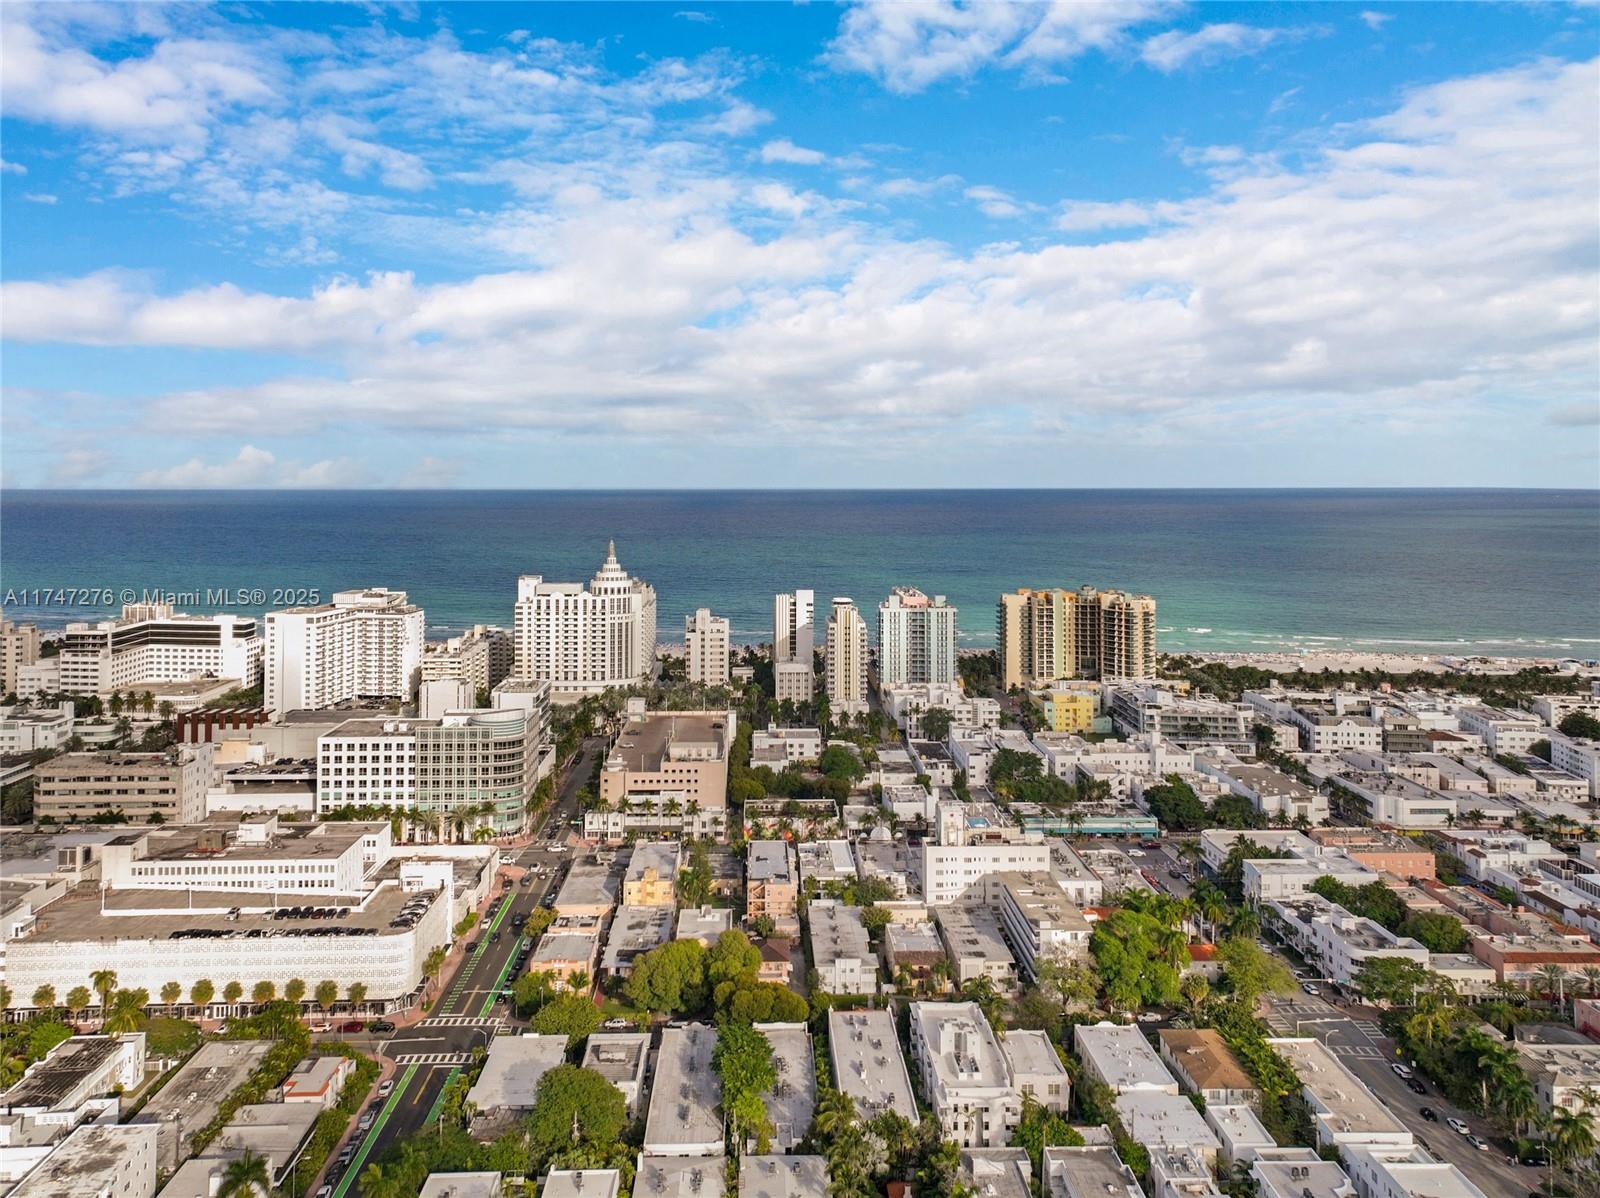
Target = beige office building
(168,786)
(1048,635)
(19,646)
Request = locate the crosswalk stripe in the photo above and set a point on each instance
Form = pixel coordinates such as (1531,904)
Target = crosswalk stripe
(432,1058)
(459,1021)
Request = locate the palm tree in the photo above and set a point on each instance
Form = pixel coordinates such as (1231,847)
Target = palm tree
(127,1012)
(1516,1098)
(171,992)
(1591,979)
(202,992)
(44,997)
(104,982)
(78,998)
(1195,989)
(246,1176)
(375,1183)
(836,1111)
(1554,979)
(1571,1138)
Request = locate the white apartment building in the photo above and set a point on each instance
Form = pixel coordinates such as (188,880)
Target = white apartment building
(1087,1171)
(779,747)
(332,858)
(864,1049)
(840,951)
(907,702)
(706,648)
(1411,1173)
(846,658)
(1326,731)
(1346,1114)
(1338,942)
(1270,791)
(1119,1055)
(1040,922)
(1482,852)
(96,1160)
(685,1114)
(150,643)
(953,873)
(19,646)
(1151,711)
(1502,730)
(1580,758)
(916,639)
(1399,802)
(976,947)
(1072,759)
(482,658)
(463,760)
(365,644)
(1268,879)
(972,751)
(1166,1121)
(26,730)
(1295,1172)
(1217,843)
(584,639)
(1036,1069)
(965,1076)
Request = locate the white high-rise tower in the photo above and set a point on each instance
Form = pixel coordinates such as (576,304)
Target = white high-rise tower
(847,658)
(583,640)
(793,643)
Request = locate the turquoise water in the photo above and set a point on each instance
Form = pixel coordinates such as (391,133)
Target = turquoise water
(1504,572)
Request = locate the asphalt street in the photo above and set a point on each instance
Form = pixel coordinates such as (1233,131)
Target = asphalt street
(468,1012)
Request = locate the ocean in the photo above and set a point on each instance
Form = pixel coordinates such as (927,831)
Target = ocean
(1513,573)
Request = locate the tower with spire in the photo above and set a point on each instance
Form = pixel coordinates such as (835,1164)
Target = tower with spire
(585,638)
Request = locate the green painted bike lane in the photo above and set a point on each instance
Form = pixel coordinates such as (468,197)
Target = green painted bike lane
(360,1158)
(471,965)
(499,982)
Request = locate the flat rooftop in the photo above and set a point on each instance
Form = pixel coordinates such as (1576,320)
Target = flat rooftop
(770,861)
(1318,1178)
(960,1044)
(775,1176)
(1089,1171)
(1167,1119)
(53,1079)
(644,745)
(1122,1057)
(793,1098)
(868,1064)
(678,1176)
(85,1164)
(973,932)
(636,930)
(1349,1103)
(617,1056)
(510,1077)
(684,1100)
(581,1183)
(1032,1052)
(589,884)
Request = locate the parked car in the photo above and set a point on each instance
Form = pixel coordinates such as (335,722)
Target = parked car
(1460,1128)
(1401,1070)
(1429,1114)
(386,1087)
(1415,1086)
(1311,988)
(326,1191)
(383,1026)
(1149,1017)
(1477,1142)
(366,1121)
(615,1025)
(222,1029)
(322,1027)
(354,1025)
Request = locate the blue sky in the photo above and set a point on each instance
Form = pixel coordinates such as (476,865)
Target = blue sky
(908,244)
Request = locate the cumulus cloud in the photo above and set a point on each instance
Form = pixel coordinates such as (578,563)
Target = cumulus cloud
(253,467)
(12,168)
(992,201)
(1376,20)
(908,47)
(1210,43)
(40,197)
(784,150)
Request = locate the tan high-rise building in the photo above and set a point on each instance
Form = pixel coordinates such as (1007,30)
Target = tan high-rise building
(705,648)
(847,658)
(1052,634)
(19,646)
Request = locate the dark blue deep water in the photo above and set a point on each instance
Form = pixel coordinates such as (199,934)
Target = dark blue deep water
(1505,572)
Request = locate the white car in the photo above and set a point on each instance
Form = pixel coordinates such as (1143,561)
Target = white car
(1310,988)
(1460,1128)
(1401,1071)
(1136,852)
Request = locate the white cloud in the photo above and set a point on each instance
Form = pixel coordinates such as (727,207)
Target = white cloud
(40,197)
(991,201)
(784,150)
(912,45)
(1422,263)
(1376,20)
(12,168)
(253,467)
(1210,43)
(737,119)
(699,18)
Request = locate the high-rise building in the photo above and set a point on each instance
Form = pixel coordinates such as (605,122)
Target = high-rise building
(916,639)
(705,648)
(19,646)
(1052,634)
(482,656)
(583,640)
(150,642)
(365,644)
(793,626)
(847,658)
(793,645)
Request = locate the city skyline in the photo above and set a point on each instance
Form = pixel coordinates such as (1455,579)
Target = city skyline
(577,246)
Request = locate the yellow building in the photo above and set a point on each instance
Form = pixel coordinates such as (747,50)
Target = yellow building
(651,879)
(1067,710)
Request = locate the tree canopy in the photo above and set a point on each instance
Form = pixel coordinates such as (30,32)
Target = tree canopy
(571,1098)
(571,1015)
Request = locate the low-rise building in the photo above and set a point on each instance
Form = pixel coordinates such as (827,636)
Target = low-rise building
(634,932)
(1502,730)
(685,1116)
(577,1183)
(1037,1071)
(997,1172)
(1088,1171)
(1345,1112)
(889,860)
(1119,1056)
(1297,1173)
(565,954)
(318,1080)
(620,1058)
(76,1070)
(826,861)
(1239,1131)
(1410,1174)
(509,1082)
(976,947)
(1204,1064)
(864,1048)
(193,1096)
(965,1076)
(772,881)
(167,787)
(1338,942)
(841,954)
(705,924)
(667,772)
(1167,1121)
(776,1176)
(1579,757)
(1039,921)
(96,1161)
(591,890)
(792,1100)
(912,949)
(662,1175)
(1271,791)
(1188,721)
(651,876)
(777,747)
